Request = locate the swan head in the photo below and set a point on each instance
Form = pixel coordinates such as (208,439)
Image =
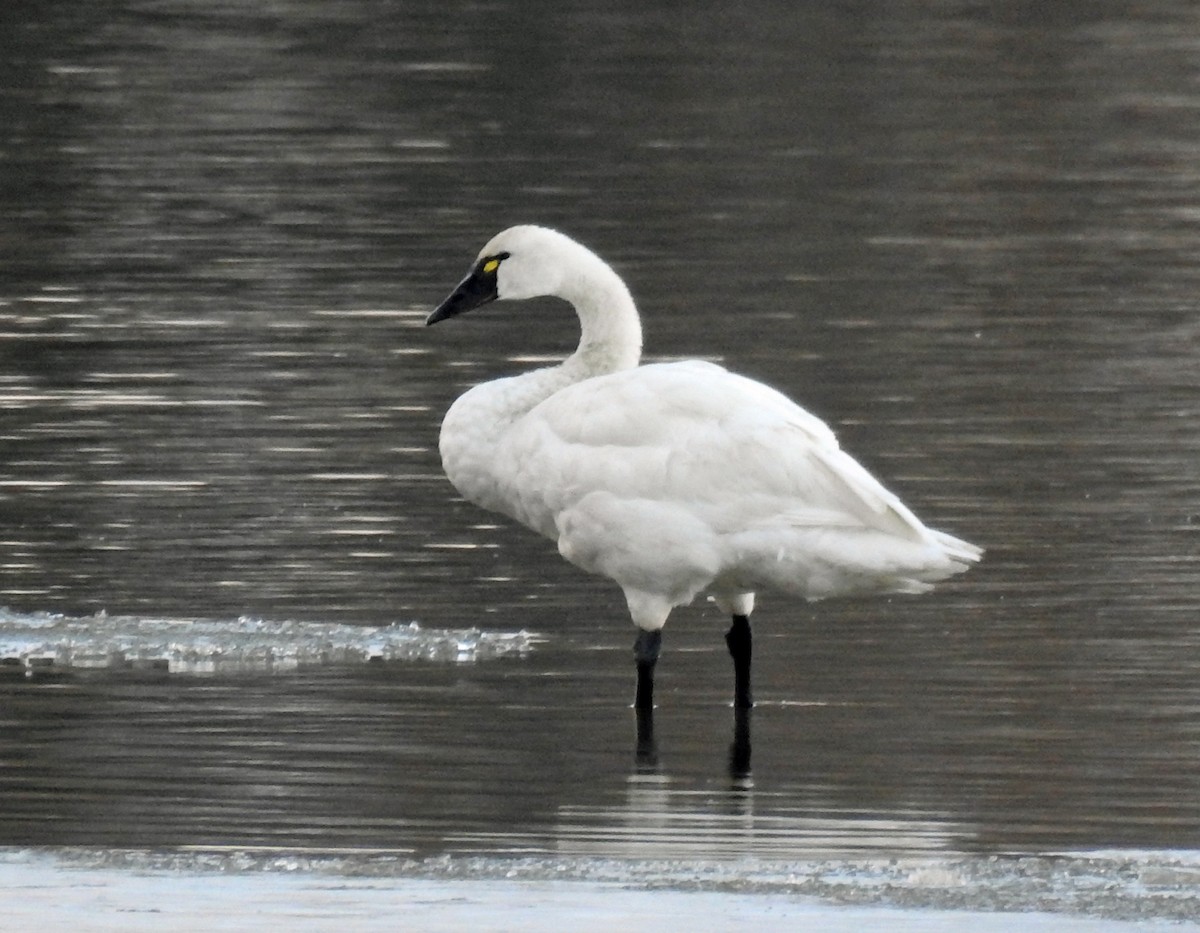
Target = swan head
(520,262)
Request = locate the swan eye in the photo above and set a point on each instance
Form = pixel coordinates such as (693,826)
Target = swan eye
(491,265)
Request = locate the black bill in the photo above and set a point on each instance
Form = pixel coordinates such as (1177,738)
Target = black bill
(476,289)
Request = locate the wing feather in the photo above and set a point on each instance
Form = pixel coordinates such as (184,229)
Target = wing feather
(732,449)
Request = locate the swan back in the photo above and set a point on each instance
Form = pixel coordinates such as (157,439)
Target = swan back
(677,477)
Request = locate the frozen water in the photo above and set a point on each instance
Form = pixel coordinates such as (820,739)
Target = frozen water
(1082,893)
(42,643)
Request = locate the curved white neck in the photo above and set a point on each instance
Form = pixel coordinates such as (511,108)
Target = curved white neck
(611,331)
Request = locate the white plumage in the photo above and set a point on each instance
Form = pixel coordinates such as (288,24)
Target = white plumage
(671,479)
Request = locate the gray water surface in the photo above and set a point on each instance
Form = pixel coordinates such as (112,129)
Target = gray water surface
(970,240)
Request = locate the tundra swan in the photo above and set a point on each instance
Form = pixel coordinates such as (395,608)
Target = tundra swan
(671,479)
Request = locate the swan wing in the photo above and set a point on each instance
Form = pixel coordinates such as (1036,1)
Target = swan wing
(726,448)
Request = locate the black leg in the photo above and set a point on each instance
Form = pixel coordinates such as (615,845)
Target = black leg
(646,650)
(739,640)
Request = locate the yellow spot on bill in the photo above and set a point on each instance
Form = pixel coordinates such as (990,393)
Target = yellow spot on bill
(491,265)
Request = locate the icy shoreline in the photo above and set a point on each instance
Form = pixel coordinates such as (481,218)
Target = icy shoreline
(202,888)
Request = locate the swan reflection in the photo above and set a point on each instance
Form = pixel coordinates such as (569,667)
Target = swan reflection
(646,755)
(661,812)
(739,750)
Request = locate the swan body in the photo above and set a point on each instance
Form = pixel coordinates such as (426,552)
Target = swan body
(671,479)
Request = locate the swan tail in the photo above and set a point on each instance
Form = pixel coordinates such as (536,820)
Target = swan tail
(962,553)
(818,563)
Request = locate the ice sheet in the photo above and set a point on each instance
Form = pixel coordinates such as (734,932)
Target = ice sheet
(43,643)
(96,889)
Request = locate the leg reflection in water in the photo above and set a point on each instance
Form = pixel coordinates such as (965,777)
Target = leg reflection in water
(739,748)
(676,815)
(646,749)
(646,752)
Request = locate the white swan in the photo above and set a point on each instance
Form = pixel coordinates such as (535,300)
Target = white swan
(674,478)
